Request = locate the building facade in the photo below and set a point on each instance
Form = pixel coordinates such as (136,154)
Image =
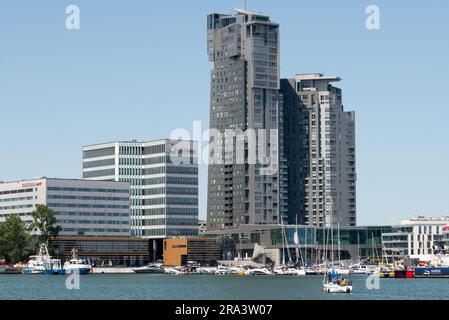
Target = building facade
(202,227)
(104,251)
(245,100)
(416,238)
(81,207)
(320,150)
(178,251)
(315,244)
(163,175)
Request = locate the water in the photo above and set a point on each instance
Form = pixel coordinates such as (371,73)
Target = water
(202,287)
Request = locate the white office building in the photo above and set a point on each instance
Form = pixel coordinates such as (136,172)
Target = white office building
(81,207)
(417,237)
(163,175)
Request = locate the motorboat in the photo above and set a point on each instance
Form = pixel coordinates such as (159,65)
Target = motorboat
(76,265)
(289,271)
(151,268)
(222,270)
(259,272)
(363,268)
(175,270)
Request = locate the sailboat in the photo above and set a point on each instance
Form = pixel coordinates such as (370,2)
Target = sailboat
(332,283)
(342,270)
(290,268)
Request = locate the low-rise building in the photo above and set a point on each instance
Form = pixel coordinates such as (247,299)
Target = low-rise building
(314,243)
(105,251)
(81,207)
(205,251)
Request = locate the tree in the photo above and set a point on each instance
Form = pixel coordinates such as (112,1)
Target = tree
(13,239)
(44,224)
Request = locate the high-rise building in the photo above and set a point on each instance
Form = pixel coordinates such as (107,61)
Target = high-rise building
(82,208)
(320,150)
(164,183)
(244,47)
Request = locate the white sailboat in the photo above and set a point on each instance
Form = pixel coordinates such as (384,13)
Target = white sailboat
(332,283)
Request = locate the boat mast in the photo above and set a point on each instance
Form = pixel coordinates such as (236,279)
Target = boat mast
(338,237)
(358,246)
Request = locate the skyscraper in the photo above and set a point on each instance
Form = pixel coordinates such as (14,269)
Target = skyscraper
(320,150)
(163,179)
(244,47)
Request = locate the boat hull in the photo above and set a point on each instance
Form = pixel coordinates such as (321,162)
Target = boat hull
(149,271)
(31,271)
(80,271)
(54,272)
(404,274)
(429,272)
(334,288)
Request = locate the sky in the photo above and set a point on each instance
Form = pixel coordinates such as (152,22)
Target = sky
(139,69)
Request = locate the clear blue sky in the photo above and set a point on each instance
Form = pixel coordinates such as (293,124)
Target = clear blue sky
(139,69)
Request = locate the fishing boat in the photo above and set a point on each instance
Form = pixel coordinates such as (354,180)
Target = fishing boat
(76,265)
(53,267)
(37,264)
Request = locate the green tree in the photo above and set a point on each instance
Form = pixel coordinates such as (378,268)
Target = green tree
(44,224)
(13,239)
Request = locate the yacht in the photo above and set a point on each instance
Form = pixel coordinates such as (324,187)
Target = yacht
(289,271)
(151,268)
(259,272)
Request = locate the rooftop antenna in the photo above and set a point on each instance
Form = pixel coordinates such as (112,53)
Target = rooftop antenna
(245,4)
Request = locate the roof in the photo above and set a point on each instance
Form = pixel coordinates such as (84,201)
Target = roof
(247,12)
(315,77)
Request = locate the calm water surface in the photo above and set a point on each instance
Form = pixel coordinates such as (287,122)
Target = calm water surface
(203,287)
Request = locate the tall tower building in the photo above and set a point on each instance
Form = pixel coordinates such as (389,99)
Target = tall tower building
(163,179)
(320,150)
(244,47)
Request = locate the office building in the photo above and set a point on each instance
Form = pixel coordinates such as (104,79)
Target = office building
(320,150)
(244,49)
(417,237)
(81,207)
(163,175)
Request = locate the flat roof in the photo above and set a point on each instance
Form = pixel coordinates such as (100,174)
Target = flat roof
(248,12)
(316,76)
(134,141)
(61,179)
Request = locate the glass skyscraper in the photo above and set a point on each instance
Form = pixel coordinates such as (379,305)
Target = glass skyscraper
(244,49)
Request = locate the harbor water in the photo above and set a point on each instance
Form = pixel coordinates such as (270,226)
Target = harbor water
(205,287)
